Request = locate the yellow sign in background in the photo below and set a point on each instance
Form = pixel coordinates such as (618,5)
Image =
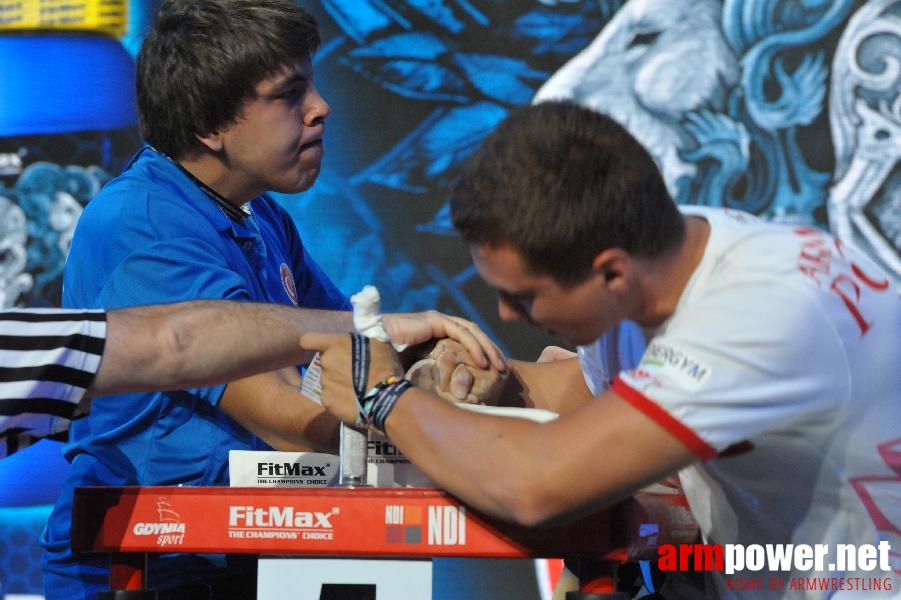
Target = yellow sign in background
(106,16)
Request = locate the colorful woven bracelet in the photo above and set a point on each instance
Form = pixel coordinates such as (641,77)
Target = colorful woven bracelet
(380,400)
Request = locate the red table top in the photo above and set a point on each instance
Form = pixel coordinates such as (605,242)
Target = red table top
(399,522)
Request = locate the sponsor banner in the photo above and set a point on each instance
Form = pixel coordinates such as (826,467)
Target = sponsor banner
(356,521)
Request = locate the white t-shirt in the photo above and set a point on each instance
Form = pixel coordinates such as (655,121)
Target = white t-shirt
(781,370)
(619,349)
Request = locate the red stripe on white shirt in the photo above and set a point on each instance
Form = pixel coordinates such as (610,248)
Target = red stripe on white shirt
(683,433)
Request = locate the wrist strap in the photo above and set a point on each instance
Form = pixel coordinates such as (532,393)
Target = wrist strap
(359,367)
(380,400)
(375,405)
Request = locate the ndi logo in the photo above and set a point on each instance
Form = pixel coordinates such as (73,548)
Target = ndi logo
(444,525)
(447,525)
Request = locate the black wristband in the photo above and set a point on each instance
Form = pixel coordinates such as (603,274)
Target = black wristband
(359,365)
(359,370)
(380,400)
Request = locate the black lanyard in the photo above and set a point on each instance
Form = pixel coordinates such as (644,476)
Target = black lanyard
(231,211)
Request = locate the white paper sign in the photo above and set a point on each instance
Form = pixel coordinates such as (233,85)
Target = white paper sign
(247,468)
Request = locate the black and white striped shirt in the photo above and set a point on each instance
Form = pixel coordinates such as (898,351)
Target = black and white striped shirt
(48,358)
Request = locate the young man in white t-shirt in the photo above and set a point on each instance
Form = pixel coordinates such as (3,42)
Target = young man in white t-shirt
(770,383)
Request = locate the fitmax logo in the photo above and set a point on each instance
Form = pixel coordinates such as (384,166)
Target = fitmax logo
(290,469)
(383,448)
(277,516)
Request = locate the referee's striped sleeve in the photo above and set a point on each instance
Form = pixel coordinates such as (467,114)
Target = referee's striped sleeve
(48,358)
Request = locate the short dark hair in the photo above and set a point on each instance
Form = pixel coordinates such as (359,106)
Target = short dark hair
(560,183)
(203,59)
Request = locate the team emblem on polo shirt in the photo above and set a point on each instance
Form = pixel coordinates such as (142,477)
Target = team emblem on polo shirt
(288,282)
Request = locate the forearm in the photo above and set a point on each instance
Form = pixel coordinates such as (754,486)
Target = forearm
(270,406)
(556,386)
(253,337)
(205,342)
(534,472)
(511,468)
(463,454)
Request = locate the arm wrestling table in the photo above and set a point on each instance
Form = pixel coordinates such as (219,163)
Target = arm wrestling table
(129,523)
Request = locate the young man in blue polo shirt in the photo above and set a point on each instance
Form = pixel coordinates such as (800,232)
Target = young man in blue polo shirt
(229,111)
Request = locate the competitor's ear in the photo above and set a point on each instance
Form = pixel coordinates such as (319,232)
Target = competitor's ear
(212,140)
(614,266)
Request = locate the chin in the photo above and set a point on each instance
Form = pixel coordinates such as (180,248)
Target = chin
(580,339)
(303,184)
(307,184)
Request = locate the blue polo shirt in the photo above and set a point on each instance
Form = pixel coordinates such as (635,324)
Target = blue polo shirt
(153,236)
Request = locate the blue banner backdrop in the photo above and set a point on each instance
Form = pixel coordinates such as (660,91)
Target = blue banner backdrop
(788,109)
